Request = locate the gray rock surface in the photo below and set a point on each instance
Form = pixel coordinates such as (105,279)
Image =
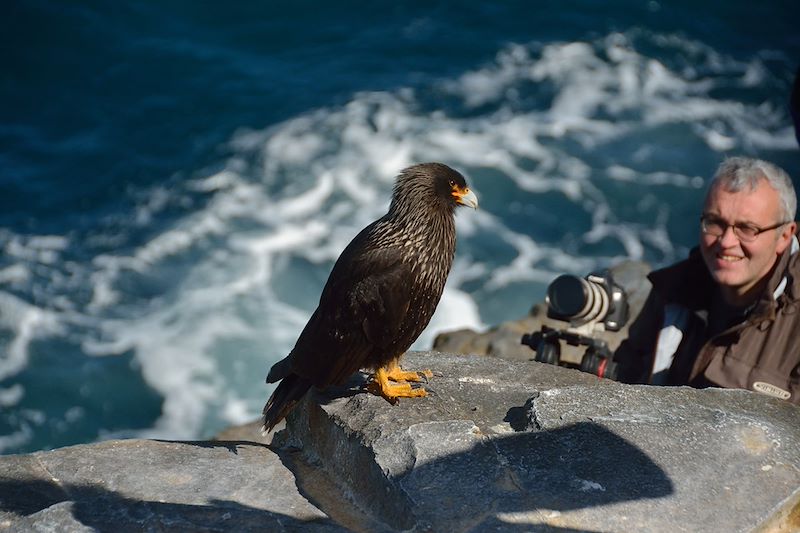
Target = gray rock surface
(496,446)
(502,446)
(141,485)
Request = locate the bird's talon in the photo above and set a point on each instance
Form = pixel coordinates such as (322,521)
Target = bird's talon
(392,392)
(396,374)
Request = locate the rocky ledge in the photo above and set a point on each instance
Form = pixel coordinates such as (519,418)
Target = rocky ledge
(497,445)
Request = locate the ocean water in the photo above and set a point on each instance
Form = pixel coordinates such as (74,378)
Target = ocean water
(177,179)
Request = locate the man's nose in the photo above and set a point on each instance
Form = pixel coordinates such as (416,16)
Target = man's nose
(728,237)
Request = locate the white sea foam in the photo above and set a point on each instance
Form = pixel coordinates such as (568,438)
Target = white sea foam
(621,173)
(16,439)
(27,322)
(11,396)
(16,273)
(37,249)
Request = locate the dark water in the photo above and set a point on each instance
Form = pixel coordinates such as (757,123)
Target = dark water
(177,179)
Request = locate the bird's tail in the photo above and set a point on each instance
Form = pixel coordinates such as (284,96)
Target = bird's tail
(289,391)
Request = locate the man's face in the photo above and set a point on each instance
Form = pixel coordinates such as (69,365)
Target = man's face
(739,267)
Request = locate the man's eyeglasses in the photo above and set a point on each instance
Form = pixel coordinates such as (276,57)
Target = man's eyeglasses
(712,225)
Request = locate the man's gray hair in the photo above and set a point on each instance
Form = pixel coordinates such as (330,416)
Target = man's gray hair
(736,174)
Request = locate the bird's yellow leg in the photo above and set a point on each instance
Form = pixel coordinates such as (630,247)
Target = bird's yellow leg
(391,392)
(395,373)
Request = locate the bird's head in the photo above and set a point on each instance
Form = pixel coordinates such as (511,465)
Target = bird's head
(452,185)
(432,184)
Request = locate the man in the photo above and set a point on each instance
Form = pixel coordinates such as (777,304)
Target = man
(729,315)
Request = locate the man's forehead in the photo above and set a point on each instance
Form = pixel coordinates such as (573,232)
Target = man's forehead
(762,201)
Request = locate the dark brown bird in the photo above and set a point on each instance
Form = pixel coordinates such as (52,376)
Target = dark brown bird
(380,295)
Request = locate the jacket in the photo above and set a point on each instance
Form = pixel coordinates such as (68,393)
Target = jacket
(669,342)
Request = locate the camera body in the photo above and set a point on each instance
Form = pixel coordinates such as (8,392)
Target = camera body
(581,311)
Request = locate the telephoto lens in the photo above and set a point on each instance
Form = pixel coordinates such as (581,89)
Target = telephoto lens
(575,299)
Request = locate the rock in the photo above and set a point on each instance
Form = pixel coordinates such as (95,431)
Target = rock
(144,485)
(496,446)
(501,446)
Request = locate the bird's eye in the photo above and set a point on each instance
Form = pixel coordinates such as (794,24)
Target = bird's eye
(452,183)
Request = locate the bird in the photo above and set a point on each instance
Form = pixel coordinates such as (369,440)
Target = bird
(380,295)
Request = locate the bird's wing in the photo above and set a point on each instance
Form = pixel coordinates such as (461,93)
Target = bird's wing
(361,310)
(382,297)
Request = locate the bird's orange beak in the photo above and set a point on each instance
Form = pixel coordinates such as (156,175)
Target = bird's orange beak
(466,197)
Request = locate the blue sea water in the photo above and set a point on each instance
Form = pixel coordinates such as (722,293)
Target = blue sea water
(177,178)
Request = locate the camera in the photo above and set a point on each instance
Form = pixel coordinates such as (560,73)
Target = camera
(581,311)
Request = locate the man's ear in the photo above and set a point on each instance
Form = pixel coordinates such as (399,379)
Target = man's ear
(785,236)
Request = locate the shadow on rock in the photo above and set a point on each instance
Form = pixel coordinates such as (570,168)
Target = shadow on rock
(105,510)
(514,482)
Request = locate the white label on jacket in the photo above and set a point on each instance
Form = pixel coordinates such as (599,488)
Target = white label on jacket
(669,338)
(771,390)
